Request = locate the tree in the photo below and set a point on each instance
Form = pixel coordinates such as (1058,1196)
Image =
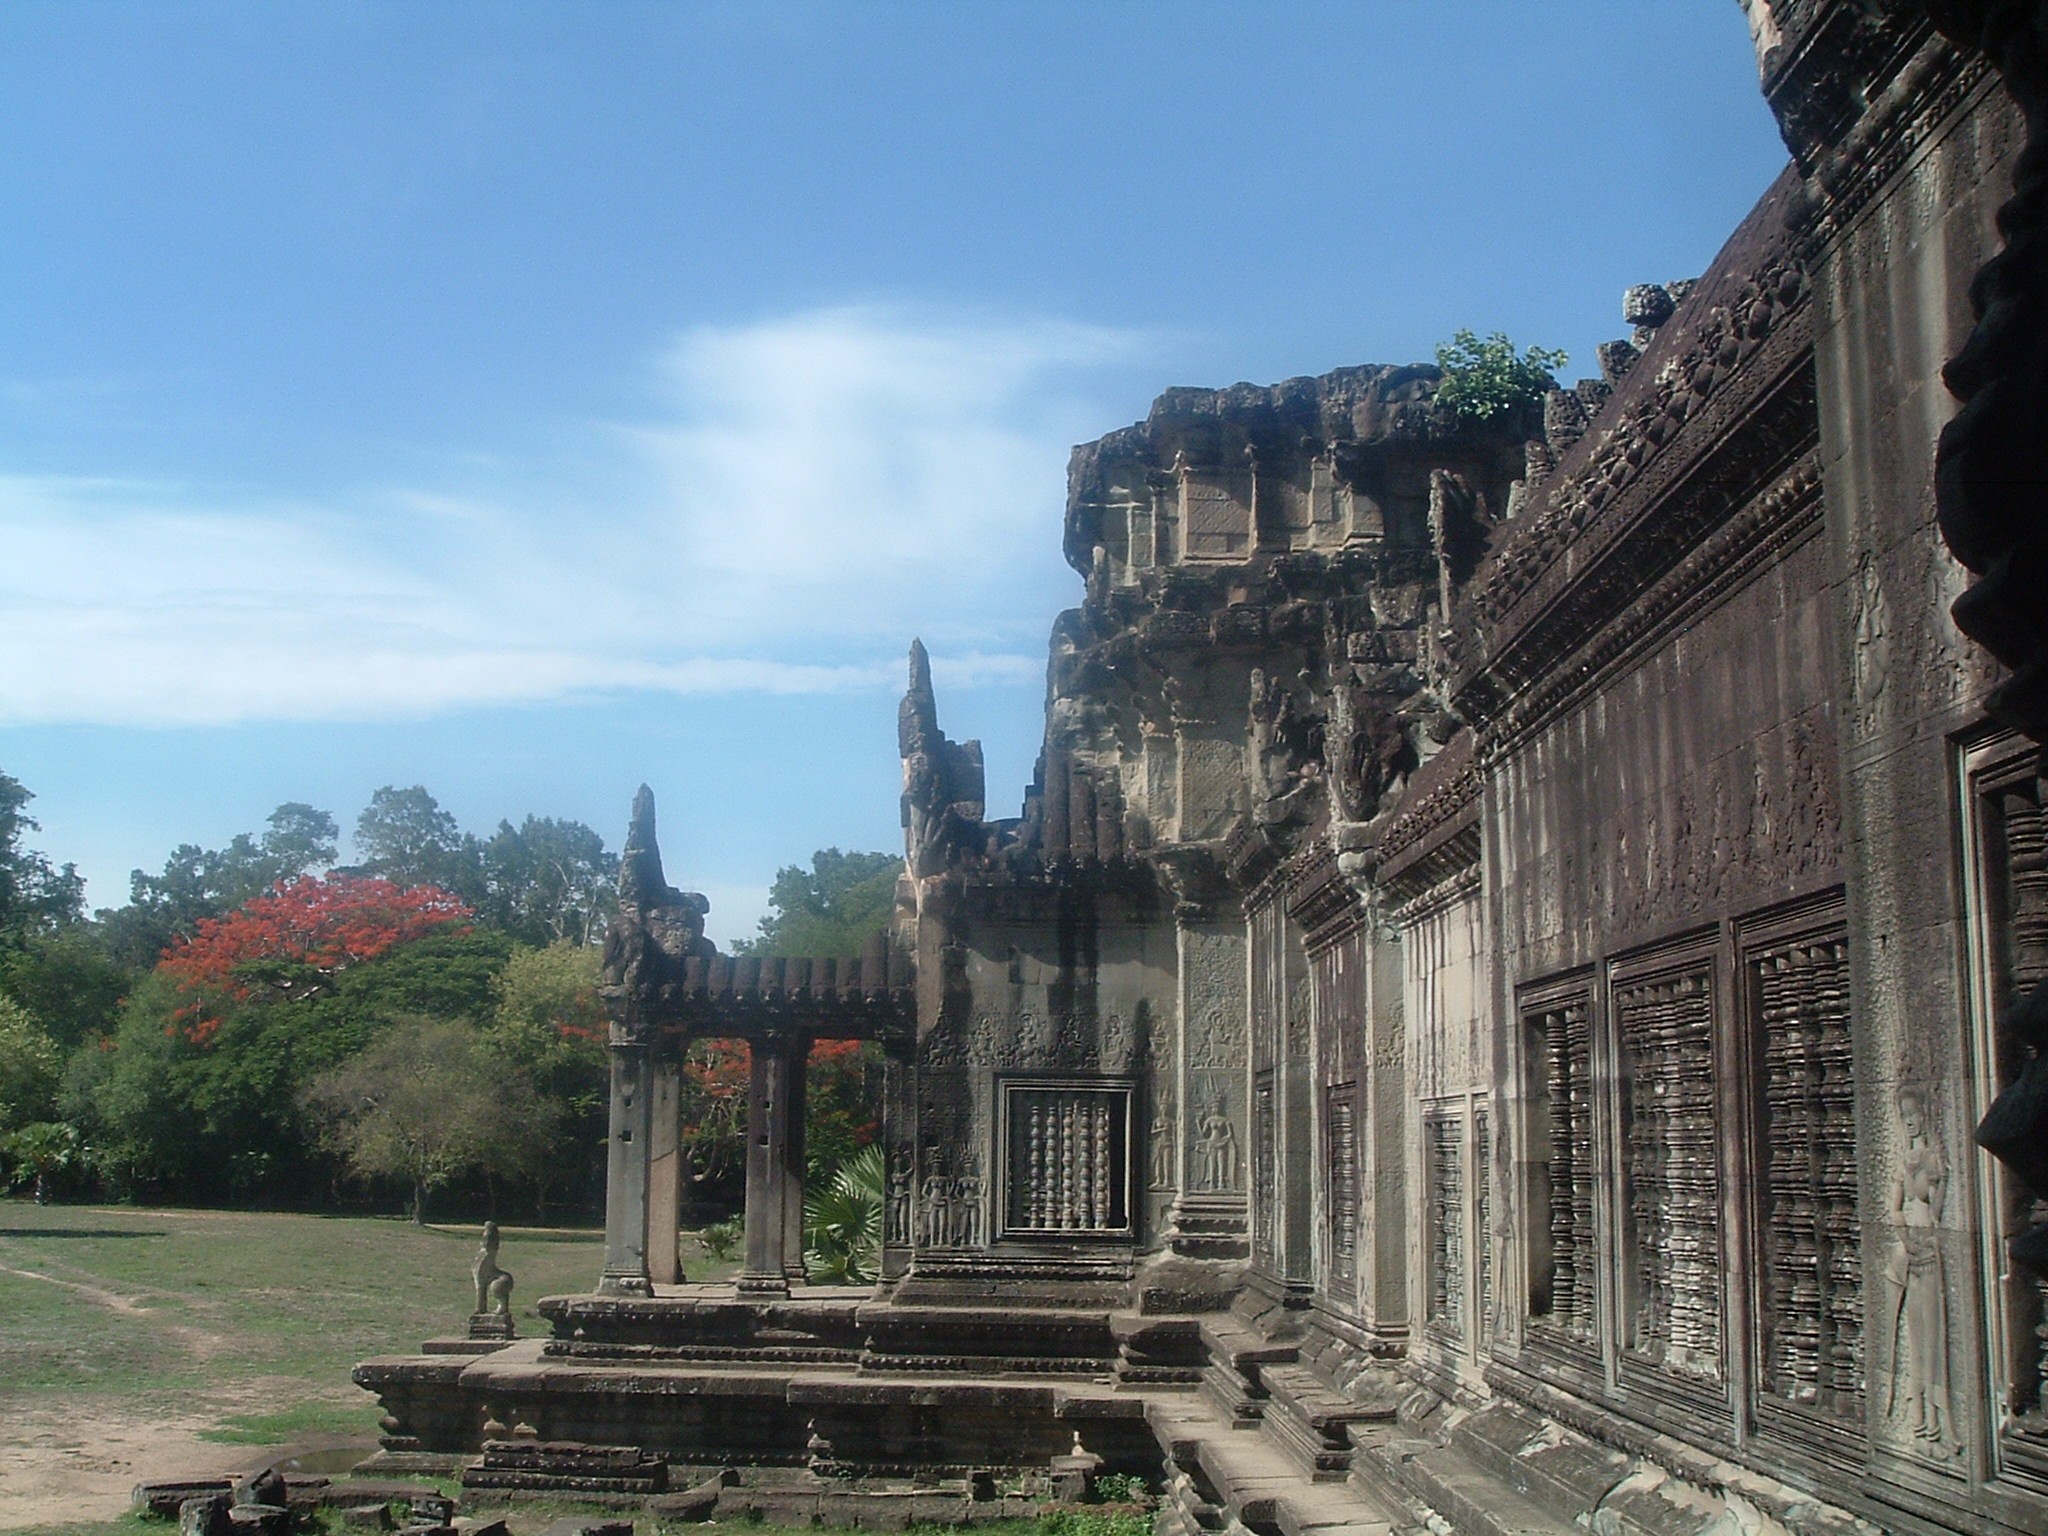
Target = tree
(68,981)
(41,1149)
(425,1104)
(546,880)
(405,837)
(550,1024)
(843,1222)
(1485,379)
(831,909)
(295,941)
(36,897)
(31,1067)
(198,883)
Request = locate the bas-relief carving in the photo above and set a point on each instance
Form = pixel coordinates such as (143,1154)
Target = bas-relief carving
(951,1210)
(1217,1165)
(1161,1156)
(1917,1394)
(1906,672)
(896,1220)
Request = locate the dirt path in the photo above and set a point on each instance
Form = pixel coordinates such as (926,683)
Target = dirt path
(60,1464)
(63,1462)
(199,1341)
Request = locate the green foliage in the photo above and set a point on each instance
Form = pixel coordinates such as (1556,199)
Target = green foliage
(843,1222)
(199,882)
(425,1104)
(69,980)
(38,1150)
(1485,379)
(545,881)
(1094,1522)
(722,1238)
(830,909)
(549,1024)
(31,1068)
(1121,1488)
(35,896)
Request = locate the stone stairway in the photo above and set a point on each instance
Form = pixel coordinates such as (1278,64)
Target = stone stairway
(1221,1477)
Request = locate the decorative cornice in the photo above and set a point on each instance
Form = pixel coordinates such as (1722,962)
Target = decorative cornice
(1700,378)
(1727,555)
(1443,794)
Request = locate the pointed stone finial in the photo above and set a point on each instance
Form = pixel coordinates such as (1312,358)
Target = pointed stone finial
(641,882)
(917,720)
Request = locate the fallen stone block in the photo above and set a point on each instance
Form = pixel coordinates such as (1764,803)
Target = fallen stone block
(264,1487)
(163,1499)
(260,1519)
(206,1515)
(586,1526)
(368,1517)
(695,1503)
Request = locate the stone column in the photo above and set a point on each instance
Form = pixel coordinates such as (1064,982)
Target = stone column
(774,1188)
(665,1165)
(626,1171)
(795,1071)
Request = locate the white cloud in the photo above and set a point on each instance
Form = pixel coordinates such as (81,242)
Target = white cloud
(815,490)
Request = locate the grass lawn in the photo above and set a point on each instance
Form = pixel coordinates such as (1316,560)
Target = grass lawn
(234,1327)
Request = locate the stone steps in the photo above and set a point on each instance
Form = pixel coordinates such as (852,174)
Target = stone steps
(1313,1419)
(1442,1480)
(1224,1477)
(1233,1381)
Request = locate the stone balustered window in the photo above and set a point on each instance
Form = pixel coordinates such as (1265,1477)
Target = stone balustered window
(1809,1228)
(1443,1151)
(2007,804)
(1482,1218)
(1067,1168)
(1672,1256)
(1265,1166)
(1564,1264)
(1340,1156)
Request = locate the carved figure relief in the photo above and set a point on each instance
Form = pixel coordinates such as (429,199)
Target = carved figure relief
(950,1211)
(1162,1153)
(1213,1043)
(1919,1375)
(897,1214)
(1118,1043)
(1871,630)
(1216,1151)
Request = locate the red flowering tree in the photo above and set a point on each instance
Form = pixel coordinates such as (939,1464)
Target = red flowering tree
(292,942)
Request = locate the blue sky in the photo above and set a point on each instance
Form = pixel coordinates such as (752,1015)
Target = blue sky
(529,400)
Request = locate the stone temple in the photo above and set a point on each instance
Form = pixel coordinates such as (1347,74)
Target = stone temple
(1484,1020)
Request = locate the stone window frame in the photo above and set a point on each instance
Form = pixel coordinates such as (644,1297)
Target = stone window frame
(1584,1358)
(1841,1440)
(1122,1086)
(1468,1117)
(1987,766)
(1682,1398)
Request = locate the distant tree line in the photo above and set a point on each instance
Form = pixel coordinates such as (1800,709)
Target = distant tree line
(260,1024)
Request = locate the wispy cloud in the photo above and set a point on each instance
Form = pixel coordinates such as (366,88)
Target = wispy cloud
(813,490)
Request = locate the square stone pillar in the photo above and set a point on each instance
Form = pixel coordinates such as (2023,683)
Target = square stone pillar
(665,1166)
(1208,1219)
(626,1173)
(775,1166)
